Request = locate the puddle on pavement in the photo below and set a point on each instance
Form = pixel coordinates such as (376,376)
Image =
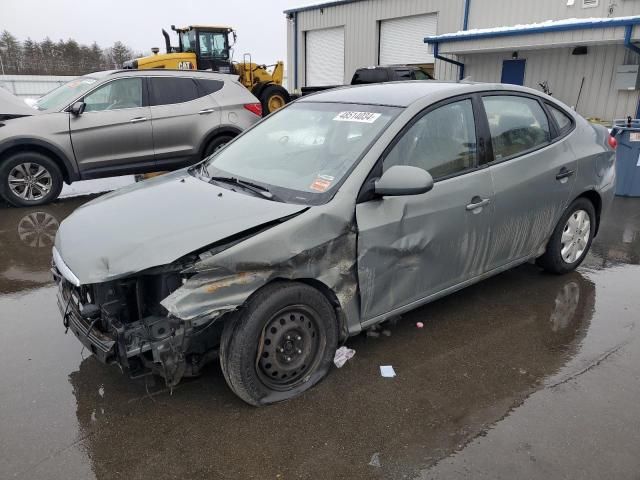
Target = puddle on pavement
(481,353)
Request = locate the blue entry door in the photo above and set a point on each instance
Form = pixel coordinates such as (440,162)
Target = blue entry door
(513,72)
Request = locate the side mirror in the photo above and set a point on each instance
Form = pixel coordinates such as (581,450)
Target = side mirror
(77,108)
(404,180)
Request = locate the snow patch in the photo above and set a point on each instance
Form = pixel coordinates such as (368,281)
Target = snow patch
(523,28)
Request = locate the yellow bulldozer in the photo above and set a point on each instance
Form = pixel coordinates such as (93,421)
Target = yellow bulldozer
(209,47)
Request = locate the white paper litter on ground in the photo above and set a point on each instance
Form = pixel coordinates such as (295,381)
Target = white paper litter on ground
(387,371)
(342,355)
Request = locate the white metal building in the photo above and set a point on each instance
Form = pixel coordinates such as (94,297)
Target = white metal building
(583,49)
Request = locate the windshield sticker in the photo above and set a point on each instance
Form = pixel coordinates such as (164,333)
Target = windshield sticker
(362,117)
(321,183)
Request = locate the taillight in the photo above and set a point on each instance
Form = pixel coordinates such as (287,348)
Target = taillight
(254,108)
(613,143)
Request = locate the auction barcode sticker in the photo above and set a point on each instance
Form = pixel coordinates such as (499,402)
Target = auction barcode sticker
(364,117)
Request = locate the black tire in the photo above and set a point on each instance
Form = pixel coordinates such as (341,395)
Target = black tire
(216,144)
(272,98)
(552,260)
(53,179)
(248,350)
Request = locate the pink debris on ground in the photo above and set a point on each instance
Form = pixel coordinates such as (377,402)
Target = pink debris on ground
(420,325)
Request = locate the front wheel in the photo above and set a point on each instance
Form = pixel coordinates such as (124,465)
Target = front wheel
(571,239)
(281,344)
(216,144)
(29,179)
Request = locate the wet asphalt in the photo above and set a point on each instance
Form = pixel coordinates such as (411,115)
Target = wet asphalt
(525,375)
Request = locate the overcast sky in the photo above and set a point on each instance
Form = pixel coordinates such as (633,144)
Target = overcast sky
(260,24)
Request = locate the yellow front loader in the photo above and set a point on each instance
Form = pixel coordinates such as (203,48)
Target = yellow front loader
(207,47)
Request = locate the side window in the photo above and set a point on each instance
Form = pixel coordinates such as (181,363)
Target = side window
(562,119)
(369,75)
(116,95)
(517,124)
(170,90)
(443,142)
(404,75)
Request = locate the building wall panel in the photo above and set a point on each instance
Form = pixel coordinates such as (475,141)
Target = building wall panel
(564,73)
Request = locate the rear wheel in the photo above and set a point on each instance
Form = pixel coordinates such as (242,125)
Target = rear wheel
(280,345)
(273,98)
(216,144)
(571,239)
(29,179)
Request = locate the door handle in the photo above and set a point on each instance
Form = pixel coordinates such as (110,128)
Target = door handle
(138,120)
(478,203)
(564,173)
(204,111)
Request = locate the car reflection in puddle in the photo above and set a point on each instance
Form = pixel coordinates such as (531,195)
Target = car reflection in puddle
(481,352)
(26,238)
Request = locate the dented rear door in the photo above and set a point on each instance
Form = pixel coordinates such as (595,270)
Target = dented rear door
(533,175)
(414,247)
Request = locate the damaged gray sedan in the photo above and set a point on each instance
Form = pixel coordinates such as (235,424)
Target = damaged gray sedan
(337,212)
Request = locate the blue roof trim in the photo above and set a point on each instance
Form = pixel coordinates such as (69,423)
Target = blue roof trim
(335,3)
(462,36)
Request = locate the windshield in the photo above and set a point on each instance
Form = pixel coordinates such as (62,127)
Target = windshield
(65,94)
(302,153)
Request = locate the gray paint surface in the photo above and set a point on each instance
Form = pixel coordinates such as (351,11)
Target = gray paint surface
(406,250)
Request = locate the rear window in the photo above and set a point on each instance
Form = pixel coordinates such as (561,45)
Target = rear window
(207,87)
(170,90)
(369,75)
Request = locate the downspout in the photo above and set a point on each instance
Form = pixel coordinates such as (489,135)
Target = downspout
(295,51)
(465,21)
(436,55)
(465,26)
(628,31)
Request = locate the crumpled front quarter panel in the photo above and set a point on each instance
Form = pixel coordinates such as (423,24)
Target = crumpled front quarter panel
(319,244)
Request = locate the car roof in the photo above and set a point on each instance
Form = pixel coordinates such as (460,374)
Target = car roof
(163,72)
(403,94)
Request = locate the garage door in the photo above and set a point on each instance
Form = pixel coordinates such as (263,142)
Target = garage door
(325,57)
(402,39)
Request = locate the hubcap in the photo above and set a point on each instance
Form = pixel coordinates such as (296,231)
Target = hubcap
(30,181)
(575,236)
(290,345)
(275,102)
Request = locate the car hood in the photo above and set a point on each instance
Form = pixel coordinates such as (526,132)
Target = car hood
(156,222)
(10,105)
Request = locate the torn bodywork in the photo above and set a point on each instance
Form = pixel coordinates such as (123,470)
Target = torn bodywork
(168,319)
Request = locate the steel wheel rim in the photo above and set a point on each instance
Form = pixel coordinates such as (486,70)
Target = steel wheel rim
(30,181)
(275,102)
(38,229)
(290,347)
(575,236)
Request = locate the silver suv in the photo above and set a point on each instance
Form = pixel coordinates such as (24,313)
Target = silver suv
(115,123)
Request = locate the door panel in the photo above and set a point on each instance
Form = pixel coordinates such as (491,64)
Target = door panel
(115,129)
(529,199)
(180,120)
(411,247)
(325,57)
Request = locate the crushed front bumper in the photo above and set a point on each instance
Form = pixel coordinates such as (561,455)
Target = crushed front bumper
(101,344)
